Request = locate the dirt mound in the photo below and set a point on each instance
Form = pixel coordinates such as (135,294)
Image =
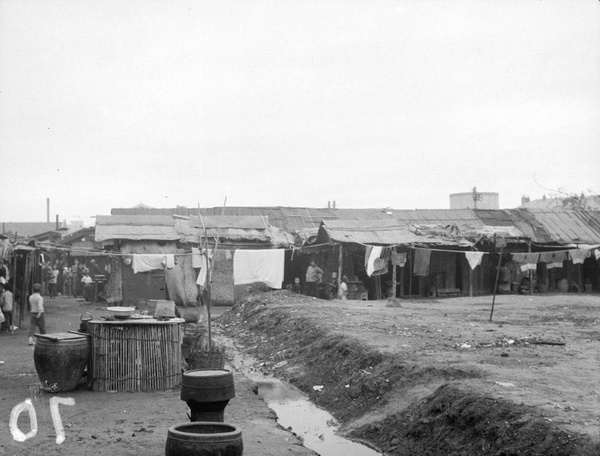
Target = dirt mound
(360,385)
(457,422)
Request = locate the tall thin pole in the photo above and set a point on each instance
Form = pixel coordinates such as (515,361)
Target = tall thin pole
(496,282)
(14,292)
(340,269)
(410,272)
(393,273)
(530,273)
(209,268)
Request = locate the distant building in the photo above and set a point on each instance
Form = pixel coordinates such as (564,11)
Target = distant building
(474,200)
(582,202)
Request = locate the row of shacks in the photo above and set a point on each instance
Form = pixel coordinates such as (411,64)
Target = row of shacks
(418,253)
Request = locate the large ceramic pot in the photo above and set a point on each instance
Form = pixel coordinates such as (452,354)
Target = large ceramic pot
(204,439)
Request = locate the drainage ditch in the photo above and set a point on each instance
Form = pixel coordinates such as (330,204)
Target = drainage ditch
(295,412)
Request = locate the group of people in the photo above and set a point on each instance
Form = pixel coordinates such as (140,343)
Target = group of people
(67,280)
(317,287)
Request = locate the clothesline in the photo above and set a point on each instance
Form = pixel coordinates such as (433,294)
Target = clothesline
(105,253)
(292,248)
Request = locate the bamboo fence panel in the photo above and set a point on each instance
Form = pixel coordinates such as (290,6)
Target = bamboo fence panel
(135,355)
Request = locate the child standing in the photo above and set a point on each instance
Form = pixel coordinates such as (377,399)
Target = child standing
(36,303)
(6,300)
(67,282)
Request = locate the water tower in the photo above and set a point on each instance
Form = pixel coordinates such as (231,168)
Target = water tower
(474,200)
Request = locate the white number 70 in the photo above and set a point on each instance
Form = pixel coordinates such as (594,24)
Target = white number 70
(28,405)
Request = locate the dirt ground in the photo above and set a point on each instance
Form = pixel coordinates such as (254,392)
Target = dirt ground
(102,423)
(436,376)
(412,377)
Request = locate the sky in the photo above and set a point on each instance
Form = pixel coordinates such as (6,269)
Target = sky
(112,103)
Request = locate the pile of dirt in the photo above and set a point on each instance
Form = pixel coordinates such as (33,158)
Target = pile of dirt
(360,385)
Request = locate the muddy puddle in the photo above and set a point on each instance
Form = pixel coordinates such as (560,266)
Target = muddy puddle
(295,412)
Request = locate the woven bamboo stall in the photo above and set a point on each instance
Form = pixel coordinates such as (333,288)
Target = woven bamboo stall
(135,355)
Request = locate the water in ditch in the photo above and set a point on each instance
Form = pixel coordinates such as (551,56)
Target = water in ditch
(315,426)
(295,412)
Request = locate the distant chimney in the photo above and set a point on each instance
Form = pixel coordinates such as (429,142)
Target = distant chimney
(57,225)
(328,204)
(525,199)
(334,204)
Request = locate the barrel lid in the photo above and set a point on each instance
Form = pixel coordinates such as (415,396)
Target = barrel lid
(61,336)
(207,373)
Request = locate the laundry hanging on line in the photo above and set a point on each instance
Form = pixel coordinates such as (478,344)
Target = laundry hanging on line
(266,266)
(526,261)
(196,258)
(422,260)
(203,274)
(474,258)
(151,262)
(553,259)
(578,256)
(376,260)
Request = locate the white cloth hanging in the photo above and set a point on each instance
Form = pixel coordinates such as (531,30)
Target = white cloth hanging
(474,258)
(579,255)
(202,275)
(196,258)
(264,266)
(372,253)
(148,262)
(170,260)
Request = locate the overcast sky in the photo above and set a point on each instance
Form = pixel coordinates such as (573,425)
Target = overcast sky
(294,103)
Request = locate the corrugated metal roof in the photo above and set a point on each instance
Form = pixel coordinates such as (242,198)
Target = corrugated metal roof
(168,228)
(135,220)
(556,226)
(229,221)
(566,227)
(373,232)
(136,233)
(463,219)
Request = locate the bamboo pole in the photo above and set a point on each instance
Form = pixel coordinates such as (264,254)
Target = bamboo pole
(393,274)
(14,288)
(496,282)
(340,270)
(530,273)
(209,277)
(410,253)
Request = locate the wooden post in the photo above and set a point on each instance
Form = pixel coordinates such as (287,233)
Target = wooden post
(496,282)
(471,277)
(393,274)
(340,269)
(530,275)
(402,281)
(411,274)
(14,293)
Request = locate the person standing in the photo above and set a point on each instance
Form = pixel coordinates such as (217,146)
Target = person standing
(53,283)
(343,292)
(332,288)
(46,276)
(67,289)
(6,300)
(75,278)
(313,272)
(88,287)
(37,320)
